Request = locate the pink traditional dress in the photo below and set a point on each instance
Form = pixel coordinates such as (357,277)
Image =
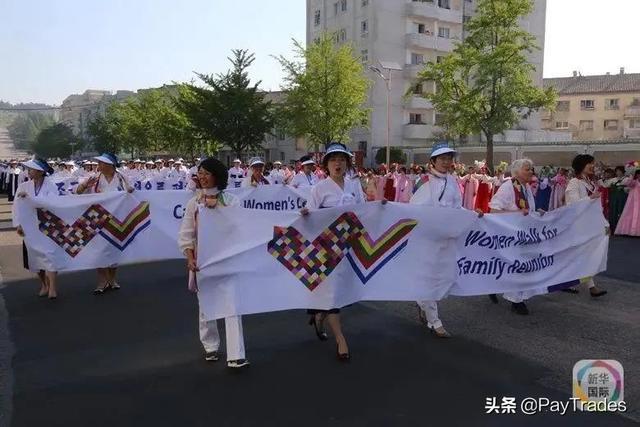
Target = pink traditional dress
(404,188)
(559,186)
(629,223)
(470,191)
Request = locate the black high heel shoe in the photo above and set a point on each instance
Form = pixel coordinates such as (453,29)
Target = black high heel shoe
(342,357)
(322,335)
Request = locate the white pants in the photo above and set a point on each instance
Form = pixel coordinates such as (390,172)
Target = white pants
(522,296)
(430,309)
(210,337)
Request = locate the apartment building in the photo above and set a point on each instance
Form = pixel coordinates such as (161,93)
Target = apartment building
(596,108)
(78,111)
(409,33)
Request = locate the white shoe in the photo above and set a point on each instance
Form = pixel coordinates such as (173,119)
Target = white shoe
(236,364)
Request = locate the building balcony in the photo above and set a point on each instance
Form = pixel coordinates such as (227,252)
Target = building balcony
(416,131)
(632,133)
(632,111)
(422,41)
(431,10)
(417,102)
(411,70)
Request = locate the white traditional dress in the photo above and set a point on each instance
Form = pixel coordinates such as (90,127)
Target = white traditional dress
(327,194)
(187,239)
(47,189)
(301,179)
(437,190)
(513,197)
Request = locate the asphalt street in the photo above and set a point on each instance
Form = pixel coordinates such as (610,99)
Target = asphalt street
(133,357)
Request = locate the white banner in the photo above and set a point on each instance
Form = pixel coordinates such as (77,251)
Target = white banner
(98,230)
(512,252)
(275,259)
(331,258)
(77,232)
(272,197)
(335,257)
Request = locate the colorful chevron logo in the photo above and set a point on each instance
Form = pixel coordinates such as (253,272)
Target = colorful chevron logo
(312,262)
(93,221)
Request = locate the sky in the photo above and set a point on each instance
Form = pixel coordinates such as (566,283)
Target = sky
(51,49)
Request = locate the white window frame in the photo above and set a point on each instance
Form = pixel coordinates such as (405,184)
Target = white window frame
(364,28)
(607,124)
(587,104)
(415,57)
(612,104)
(584,123)
(562,125)
(317,18)
(444,32)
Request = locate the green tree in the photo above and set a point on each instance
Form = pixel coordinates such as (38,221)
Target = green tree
(56,141)
(148,122)
(228,110)
(396,156)
(326,89)
(25,128)
(485,85)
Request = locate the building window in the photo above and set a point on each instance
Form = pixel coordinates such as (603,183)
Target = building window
(418,89)
(586,124)
(364,28)
(634,124)
(443,32)
(341,36)
(417,59)
(422,29)
(562,105)
(562,125)
(444,4)
(611,124)
(336,7)
(415,119)
(611,104)
(343,5)
(316,18)
(362,146)
(587,104)
(363,4)
(635,102)
(364,55)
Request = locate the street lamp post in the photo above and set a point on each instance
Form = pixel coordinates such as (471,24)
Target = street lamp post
(390,67)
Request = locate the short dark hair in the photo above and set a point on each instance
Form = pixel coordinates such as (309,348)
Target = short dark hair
(580,162)
(216,168)
(325,160)
(620,168)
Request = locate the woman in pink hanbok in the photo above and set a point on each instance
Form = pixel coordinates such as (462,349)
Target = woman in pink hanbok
(470,183)
(559,186)
(404,186)
(629,223)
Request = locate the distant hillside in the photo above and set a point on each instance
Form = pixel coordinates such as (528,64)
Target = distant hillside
(9,112)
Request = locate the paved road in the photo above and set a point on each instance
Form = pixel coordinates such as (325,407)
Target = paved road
(133,358)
